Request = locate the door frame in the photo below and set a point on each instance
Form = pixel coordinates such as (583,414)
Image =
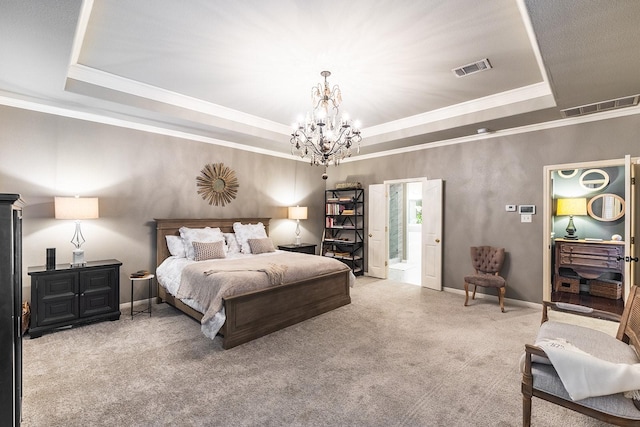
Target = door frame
(547,208)
(437,273)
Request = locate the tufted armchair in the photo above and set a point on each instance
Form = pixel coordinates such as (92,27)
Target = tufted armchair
(487,261)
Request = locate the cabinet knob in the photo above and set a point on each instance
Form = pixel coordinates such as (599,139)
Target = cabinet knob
(437,240)
(370,235)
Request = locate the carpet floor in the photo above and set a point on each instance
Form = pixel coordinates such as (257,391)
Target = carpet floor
(398,355)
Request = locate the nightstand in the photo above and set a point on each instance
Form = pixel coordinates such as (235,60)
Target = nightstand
(304,248)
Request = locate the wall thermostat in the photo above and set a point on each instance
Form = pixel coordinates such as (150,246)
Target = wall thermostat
(527,209)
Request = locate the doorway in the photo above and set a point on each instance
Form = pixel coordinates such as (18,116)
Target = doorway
(405,232)
(590,223)
(430,260)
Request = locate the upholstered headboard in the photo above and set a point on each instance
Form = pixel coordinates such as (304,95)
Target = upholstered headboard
(170,227)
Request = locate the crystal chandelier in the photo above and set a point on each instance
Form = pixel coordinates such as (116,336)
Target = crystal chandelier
(324,135)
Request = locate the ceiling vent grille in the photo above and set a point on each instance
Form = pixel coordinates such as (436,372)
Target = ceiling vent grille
(613,104)
(472,68)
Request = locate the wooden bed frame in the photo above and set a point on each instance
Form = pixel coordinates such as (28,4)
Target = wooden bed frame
(255,314)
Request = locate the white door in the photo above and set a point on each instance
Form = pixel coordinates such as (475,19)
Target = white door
(377,241)
(432,234)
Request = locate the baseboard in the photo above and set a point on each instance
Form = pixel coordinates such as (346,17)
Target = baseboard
(508,301)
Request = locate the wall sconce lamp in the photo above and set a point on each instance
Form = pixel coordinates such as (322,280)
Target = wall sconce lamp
(571,207)
(298,213)
(77,208)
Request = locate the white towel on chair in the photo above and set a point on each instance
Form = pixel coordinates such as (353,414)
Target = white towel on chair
(584,375)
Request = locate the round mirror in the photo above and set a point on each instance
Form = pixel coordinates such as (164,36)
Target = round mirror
(606,207)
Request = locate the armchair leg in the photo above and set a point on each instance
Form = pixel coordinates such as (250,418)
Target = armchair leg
(474,291)
(501,293)
(466,294)
(526,411)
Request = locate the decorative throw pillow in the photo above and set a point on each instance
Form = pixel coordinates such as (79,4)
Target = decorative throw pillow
(203,235)
(260,246)
(232,243)
(203,251)
(245,232)
(176,246)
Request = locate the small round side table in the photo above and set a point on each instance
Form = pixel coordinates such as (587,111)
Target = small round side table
(149,278)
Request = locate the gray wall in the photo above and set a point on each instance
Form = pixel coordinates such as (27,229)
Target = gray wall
(139,176)
(481,177)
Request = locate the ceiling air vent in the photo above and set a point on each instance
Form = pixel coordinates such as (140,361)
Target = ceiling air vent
(475,67)
(613,104)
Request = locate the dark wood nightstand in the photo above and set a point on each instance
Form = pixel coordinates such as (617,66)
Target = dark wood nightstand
(67,296)
(305,248)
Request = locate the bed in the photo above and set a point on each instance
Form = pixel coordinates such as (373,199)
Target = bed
(252,314)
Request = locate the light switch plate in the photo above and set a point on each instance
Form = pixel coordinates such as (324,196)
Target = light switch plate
(525,218)
(510,208)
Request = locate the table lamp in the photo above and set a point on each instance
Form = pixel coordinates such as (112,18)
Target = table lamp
(298,213)
(571,207)
(77,208)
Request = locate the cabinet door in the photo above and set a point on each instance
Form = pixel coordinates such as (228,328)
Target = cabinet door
(97,291)
(57,298)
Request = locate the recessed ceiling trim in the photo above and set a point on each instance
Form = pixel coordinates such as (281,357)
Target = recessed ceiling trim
(81,30)
(11,100)
(111,81)
(476,106)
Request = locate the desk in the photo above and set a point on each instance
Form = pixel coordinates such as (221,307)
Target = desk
(148,277)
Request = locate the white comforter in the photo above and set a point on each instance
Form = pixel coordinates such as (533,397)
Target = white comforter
(169,275)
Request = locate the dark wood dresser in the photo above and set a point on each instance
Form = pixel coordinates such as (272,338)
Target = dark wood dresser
(67,296)
(597,262)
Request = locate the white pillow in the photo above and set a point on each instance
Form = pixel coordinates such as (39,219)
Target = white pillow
(176,246)
(203,235)
(244,232)
(232,243)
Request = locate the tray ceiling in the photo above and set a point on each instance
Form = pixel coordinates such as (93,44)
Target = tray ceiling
(239,73)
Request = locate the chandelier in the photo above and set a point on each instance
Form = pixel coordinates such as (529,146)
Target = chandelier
(324,135)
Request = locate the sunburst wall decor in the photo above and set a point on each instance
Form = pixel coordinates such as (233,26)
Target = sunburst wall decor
(217,184)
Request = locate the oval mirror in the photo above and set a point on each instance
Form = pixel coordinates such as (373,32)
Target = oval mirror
(606,207)
(568,173)
(594,179)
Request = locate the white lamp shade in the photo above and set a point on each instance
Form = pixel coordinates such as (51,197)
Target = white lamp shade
(298,212)
(76,208)
(577,206)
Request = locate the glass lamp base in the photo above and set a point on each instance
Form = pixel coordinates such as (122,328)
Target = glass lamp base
(78,258)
